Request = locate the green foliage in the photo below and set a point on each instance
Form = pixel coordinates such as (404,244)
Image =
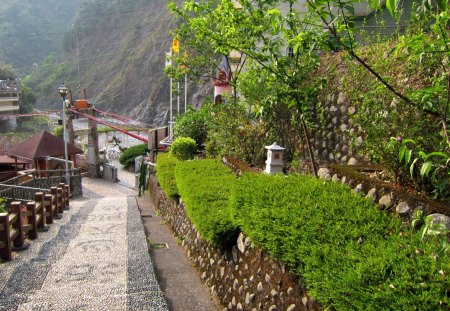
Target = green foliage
(7,72)
(165,171)
(350,255)
(31,30)
(205,187)
(183,148)
(234,131)
(2,205)
(428,171)
(27,100)
(59,132)
(128,156)
(193,124)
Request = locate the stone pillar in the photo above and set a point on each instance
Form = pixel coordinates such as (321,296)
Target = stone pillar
(93,158)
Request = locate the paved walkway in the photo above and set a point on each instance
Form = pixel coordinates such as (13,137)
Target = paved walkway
(94,258)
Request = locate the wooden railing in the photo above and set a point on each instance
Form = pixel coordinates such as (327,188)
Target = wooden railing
(39,213)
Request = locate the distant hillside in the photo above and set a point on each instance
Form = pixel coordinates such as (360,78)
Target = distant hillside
(31,30)
(119,48)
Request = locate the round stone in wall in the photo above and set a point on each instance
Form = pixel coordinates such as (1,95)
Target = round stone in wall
(352,161)
(403,209)
(342,99)
(344,127)
(386,201)
(372,195)
(438,222)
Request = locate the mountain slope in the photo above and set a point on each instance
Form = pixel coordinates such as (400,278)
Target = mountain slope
(121,55)
(30,30)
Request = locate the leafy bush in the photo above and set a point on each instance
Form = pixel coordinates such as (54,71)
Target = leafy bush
(233,131)
(184,148)
(193,124)
(205,186)
(351,255)
(2,205)
(128,156)
(165,171)
(59,132)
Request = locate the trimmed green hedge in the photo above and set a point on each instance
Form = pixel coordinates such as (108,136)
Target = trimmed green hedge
(351,255)
(128,156)
(205,187)
(165,172)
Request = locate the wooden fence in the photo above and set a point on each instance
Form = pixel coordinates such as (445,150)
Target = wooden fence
(18,223)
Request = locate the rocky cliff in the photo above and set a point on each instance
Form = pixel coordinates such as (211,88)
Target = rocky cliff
(116,52)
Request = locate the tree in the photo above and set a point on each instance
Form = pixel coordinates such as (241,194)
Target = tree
(427,40)
(281,46)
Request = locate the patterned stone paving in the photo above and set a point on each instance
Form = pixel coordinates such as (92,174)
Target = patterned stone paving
(94,258)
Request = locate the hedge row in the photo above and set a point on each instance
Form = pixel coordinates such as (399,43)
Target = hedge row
(351,255)
(165,173)
(205,187)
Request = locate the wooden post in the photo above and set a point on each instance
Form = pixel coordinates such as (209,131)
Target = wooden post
(54,192)
(40,210)
(15,221)
(48,209)
(32,221)
(60,200)
(5,237)
(66,196)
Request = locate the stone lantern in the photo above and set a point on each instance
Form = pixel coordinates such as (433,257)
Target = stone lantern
(274,162)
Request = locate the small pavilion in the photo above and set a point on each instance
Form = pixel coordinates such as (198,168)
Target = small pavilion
(38,148)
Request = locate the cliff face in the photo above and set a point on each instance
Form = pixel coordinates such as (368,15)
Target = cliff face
(120,53)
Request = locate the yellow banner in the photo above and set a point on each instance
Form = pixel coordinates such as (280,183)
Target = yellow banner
(176,46)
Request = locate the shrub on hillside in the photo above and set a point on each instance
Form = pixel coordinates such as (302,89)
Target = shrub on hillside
(128,156)
(205,186)
(165,171)
(183,148)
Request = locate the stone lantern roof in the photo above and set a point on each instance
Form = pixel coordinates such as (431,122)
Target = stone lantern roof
(275,147)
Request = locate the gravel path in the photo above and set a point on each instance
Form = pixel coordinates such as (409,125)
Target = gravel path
(94,258)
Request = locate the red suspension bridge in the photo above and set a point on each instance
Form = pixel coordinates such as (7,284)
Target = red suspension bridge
(125,125)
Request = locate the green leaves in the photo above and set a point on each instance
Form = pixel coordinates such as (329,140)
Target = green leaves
(375,4)
(442,4)
(392,5)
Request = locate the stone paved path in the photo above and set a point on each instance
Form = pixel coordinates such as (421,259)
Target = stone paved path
(94,258)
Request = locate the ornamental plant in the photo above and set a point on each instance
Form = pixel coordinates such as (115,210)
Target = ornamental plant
(183,148)
(165,171)
(128,157)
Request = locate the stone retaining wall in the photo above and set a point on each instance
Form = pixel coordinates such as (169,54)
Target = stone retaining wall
(243,278)
(332,130)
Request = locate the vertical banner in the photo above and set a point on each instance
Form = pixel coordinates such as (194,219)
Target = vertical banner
(176,46)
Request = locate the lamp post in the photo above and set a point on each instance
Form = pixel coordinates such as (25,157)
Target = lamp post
(63,92)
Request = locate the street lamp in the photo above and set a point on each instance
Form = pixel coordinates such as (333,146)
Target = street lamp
(63,92)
